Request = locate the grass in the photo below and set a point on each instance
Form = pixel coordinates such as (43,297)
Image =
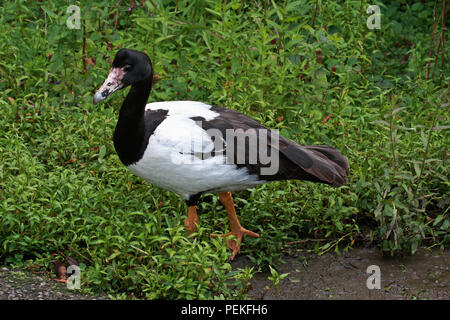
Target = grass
(312,69)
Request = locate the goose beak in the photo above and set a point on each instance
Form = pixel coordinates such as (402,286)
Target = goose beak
(112,83)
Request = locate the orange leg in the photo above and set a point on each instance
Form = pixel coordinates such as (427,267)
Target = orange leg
(192,219)
(236,229)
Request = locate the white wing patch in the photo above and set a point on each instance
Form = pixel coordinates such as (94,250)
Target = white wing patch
(182,135)
(186,108)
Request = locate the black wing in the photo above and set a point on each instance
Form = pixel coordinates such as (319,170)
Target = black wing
(313,163)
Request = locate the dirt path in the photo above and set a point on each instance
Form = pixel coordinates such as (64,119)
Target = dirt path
(425,275)
(25,285)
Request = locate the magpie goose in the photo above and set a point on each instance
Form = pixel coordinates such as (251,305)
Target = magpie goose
(191,147)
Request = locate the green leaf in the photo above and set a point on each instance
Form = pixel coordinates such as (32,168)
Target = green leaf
(102,151)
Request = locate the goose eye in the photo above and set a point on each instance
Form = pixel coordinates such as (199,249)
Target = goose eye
(127,68)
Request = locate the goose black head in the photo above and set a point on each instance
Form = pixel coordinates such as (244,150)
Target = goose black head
(128,68)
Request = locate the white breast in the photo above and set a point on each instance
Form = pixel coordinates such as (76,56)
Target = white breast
(168,161)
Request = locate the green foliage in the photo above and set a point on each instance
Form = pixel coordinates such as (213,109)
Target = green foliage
(311,69)
(275,277)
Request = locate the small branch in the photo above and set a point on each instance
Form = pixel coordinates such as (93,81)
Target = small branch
(84,257)
(308,240)
(443,29)
(432,39)
(116,22)
(314,20)
(140,250)
(84,48)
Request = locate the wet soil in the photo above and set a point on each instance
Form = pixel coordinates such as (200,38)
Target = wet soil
(25,285)
(425,275)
